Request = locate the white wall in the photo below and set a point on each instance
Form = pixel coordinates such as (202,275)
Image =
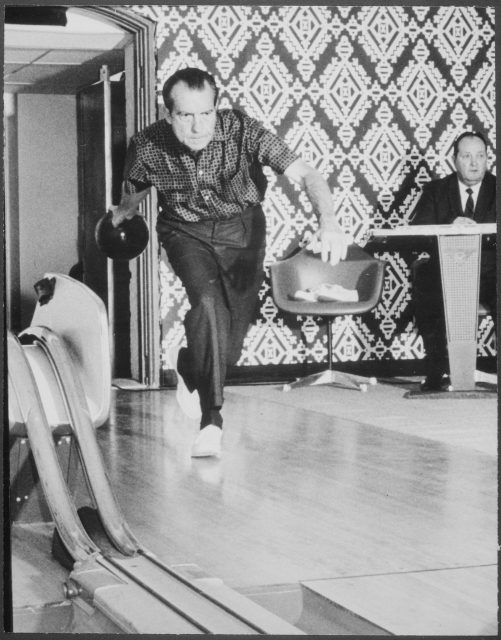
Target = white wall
(48,190)
(11,210)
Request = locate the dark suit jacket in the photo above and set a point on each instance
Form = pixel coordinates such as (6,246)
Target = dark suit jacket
(440,203)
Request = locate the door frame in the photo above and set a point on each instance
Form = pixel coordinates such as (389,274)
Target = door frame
(140,76)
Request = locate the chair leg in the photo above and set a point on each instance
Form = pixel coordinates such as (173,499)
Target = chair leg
(334,379)
(331,377)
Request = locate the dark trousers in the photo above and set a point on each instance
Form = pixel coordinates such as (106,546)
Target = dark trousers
(428,306)
(221,267)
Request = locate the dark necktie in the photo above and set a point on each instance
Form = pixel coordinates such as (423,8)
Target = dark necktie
(468,210)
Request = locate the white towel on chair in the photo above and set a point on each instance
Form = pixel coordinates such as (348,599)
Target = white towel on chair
(327,292)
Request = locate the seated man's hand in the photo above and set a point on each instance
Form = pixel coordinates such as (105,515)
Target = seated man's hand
(330,243)
(461,220)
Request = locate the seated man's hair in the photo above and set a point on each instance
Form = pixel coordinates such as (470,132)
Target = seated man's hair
(467,134)
(194,78)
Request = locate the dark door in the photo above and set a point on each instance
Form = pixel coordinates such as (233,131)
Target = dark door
(92,205)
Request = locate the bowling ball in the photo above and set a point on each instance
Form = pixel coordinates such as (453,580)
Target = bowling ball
(126,241)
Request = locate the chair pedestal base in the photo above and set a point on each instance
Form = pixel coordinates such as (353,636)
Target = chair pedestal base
(333,378)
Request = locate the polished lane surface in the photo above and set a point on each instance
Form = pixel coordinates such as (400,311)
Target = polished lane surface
(297,495)
(303,494)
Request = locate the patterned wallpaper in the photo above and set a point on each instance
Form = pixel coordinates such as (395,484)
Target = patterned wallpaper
(371,96)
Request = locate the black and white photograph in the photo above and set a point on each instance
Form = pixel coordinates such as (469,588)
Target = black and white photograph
(250,319)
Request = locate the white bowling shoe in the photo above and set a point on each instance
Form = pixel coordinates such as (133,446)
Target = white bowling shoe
(208,442)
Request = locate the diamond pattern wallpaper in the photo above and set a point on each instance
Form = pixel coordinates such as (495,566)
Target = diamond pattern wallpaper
(373,97)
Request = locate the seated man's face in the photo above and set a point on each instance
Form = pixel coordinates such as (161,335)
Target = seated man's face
(471,160)
(193,115)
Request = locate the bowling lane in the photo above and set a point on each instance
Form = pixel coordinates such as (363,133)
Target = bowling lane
(297,495)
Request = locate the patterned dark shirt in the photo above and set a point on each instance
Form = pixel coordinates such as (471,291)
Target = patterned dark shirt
(213,184)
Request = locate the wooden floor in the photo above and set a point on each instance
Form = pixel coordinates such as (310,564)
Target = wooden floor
(398,527)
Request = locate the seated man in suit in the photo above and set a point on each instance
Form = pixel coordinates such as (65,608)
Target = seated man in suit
(467,196)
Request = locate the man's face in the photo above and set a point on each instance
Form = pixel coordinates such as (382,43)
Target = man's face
(193,115)
(471,160)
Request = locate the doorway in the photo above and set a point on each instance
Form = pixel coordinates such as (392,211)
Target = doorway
(46,62)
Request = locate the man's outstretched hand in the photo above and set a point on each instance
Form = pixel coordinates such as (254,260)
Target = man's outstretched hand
(128,207)
(332,245)
(119,214)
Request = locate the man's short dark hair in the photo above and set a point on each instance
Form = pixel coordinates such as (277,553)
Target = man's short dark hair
(194,78)
(467,134)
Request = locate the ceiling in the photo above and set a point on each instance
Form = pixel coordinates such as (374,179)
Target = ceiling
(61,59)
